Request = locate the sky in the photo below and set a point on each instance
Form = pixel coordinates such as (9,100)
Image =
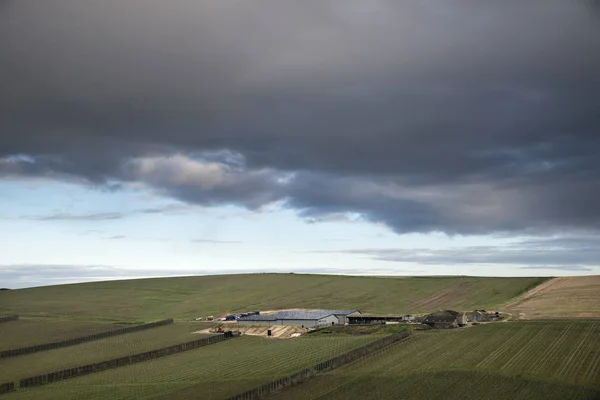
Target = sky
(432,137)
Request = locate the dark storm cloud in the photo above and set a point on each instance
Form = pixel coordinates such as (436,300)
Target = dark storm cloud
(424,116)
(574,253)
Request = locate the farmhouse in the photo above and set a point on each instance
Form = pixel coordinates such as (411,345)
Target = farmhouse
(445,319)
(304,319)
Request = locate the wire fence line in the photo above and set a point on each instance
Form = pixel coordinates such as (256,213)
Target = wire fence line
(123,361)
(82,339)
(262,391)
(7,387)
(7,318)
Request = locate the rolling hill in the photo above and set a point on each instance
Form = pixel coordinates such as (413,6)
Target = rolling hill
(567,297)
(190,297)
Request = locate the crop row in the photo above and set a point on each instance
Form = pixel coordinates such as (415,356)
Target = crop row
(441,384)
(556,352)
(561,351)
(29,332)
(16,368)
(216,371)
(82,339)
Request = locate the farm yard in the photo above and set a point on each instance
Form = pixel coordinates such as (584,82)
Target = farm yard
(529,360)
(215,372)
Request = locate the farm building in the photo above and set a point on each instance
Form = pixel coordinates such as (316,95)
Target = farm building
(478,316)
(445,319)
(304,319)
(372,319)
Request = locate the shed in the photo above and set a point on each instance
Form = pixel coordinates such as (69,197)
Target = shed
(443,319)
(374,319)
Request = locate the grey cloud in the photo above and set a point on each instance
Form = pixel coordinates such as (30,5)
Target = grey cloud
(79,217)
(27,275)
(90,232)
(203,181)
(574,268)
(106,216)
(18,276)
(578,252)
(117,237)
(213,241)
(170,209)
(424,116)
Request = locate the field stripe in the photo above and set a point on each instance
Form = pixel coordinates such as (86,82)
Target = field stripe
(516,337)
(529,349)
(567,367)
(591,371)
(525,348)
(551,350)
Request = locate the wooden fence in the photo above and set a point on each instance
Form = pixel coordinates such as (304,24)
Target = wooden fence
(119,362)
(82,339)
(292,380)
(7,318)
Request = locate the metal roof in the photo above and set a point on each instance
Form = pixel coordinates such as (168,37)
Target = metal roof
(372,315)
(293,314)
(441,316)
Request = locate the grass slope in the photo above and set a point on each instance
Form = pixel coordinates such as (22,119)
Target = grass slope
(16,368)
(521,360)
(29,332)
(212,372)
(437,385)
(189,297)
(568,297)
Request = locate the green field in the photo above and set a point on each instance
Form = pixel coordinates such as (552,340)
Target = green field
(191,297)
(517,360)
(436,385)
(29,332)
(16,368)
(211,372)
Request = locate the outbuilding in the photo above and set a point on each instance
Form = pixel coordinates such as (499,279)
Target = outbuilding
(478,316)
(375,319)
(304,319)
(445,319)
